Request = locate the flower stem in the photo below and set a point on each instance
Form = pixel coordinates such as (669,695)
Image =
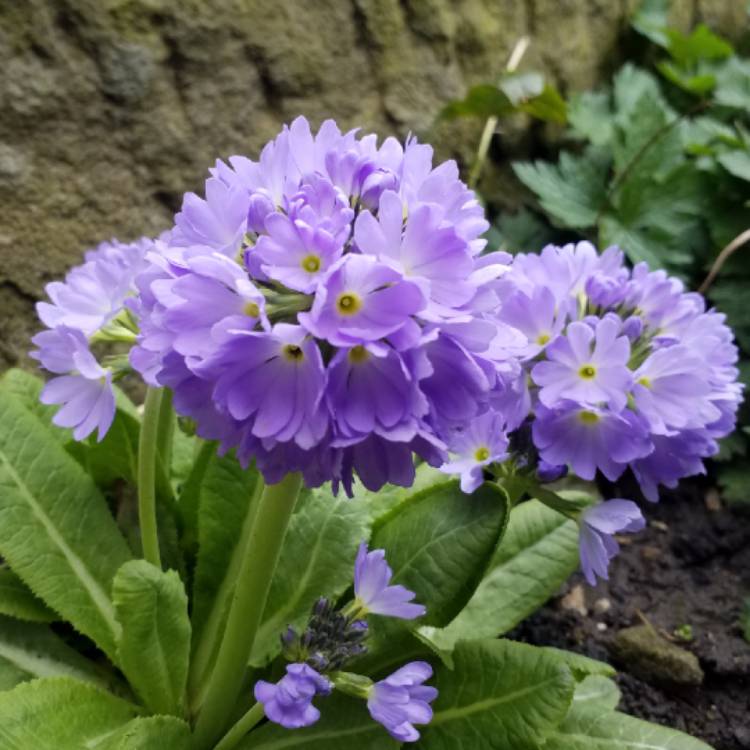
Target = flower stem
(147,461)
(259,560)
(241,728)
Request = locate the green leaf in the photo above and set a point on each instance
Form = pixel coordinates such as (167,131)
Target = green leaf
(590,117)
(597,728)
(700,44)
(440,542)
(344,724)
(17,600)
(728,294)
(733,84)
(484,100)
(630,86)
(581,666)
(59,713)
(317,559)
(56,531)
(154,648)
(521,87)
(735,483)
(597,691)
(699,84)
(26,388)
(523,231)
(31,650)
(548,105)
(150,733)
(736,162)
(651,20)
(538,553)
(745,619)
(499,694)
(570,191)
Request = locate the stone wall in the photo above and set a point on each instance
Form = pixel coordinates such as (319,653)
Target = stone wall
(110,109)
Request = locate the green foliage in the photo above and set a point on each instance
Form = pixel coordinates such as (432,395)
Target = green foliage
(17,600)
(598,691)
(59,713)
(745,620)
(150,733)
(56,531)
(154,647)
(439,544)
(538,553)
(498,694)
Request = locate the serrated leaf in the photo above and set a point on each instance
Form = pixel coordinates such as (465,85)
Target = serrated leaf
(733,84)
(154,648)
(570,191)
(590,117)
(344,724)
(56,531)
(439,543)
(59,713)
(597,691)
(736,162)
(538,553)
(629,86)
(523,231)
(317,560)
(595,728)
(484,100)
(700,44)
(499,694)
(30,650)
(149,733)
(17,600)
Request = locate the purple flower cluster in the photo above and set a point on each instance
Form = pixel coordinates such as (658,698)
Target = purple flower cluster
(621,368)
(87,307)
(325,309)
(334,637)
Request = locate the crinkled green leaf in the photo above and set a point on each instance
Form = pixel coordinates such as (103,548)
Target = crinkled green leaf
(317,560)
(499,694)
(149,733)
(439,543)
(56,531)
(59,713)
(17,600)
(538,553)
(597,691)
(26,388)
(344,724)
(154,648)
(596,728)
(572,190)
(31,650)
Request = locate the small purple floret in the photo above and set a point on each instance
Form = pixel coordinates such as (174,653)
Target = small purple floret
(289,701)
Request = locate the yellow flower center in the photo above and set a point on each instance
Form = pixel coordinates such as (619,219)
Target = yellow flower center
(542,339)
(358,354)
(644,381)
(251,309)
(588,417)
(482,453)
(311,263)
(293,353)
(348,303)
(587,372)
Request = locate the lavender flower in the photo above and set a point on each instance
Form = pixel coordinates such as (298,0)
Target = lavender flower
(362,256)
(402,700)
(89,306)
(597,526)
(372,591)
(482,443)
(289,701)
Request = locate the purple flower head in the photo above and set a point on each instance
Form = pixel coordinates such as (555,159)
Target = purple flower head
(598,525)
(481,443)
(587,366)
(90,305)
(372,591)
(370,255)
(402,700)
(289,701)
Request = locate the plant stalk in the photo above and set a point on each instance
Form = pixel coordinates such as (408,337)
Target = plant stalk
(259,561)
(148,457)
(241,728)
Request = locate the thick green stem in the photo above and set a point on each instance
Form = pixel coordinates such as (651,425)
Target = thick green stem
(147,462)
(256,571)
(165,436)
(241,728)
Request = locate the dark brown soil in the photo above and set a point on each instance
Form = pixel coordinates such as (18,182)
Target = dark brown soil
(691,566)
